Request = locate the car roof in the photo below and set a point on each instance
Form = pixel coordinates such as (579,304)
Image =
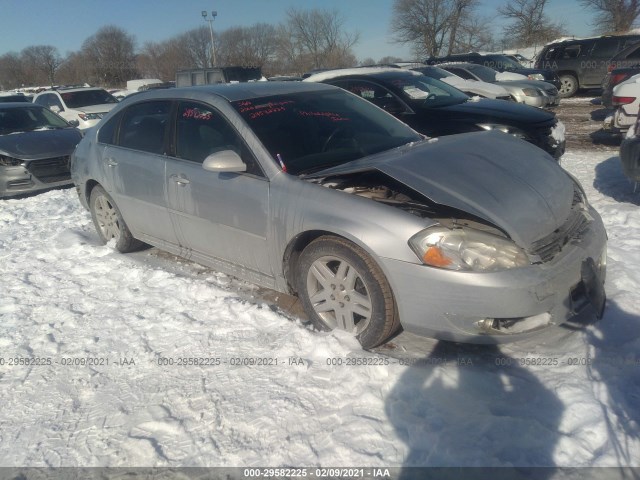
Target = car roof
(12,105)
(572,41)
(458,64)
(233,92)
(68,89)
(375,72)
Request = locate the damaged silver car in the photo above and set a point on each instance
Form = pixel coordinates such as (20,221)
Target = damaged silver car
(35,145)
(308,189)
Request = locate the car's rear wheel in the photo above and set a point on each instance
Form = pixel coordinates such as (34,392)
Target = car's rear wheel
(109,222)
(341,287)
(568,85)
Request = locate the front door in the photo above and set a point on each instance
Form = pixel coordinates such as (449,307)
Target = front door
(220,217)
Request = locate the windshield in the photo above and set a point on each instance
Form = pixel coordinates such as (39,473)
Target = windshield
(85,98)
(33,117)
(485,74)
(434,72)
(426,92)
(311,131)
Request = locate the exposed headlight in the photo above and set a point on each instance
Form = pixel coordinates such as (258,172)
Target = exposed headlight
(503,128)
(532,92)
(10,161)
(466,249)
(535,76)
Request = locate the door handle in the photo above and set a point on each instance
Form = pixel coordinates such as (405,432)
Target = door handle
(111,162)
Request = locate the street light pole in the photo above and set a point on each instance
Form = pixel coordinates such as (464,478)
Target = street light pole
(214,14)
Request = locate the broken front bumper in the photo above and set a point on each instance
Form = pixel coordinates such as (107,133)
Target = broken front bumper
(502,306)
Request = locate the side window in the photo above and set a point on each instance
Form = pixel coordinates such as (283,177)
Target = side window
(143,126)
(376,94)
(462,73)
(54,101)
(107,132)
(42,100)
(570,52)
(553,53)
(49,100)
(201,130)
(605,48)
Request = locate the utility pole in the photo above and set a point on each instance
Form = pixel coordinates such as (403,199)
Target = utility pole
(214,14)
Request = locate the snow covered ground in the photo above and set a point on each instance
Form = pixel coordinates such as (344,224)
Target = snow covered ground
(111,341)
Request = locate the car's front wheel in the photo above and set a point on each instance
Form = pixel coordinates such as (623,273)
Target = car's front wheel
(568,85)
(341,287)
(109,222)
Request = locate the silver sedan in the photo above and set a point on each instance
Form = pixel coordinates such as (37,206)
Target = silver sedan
(535,93)
(308,189)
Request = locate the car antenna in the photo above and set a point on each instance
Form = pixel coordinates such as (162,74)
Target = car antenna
(282,165)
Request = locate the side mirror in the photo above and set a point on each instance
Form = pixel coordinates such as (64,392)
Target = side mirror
(224,161)
(55,109)
(74,123)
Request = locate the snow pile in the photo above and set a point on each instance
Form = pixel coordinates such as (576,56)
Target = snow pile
(558,132)
(147,360)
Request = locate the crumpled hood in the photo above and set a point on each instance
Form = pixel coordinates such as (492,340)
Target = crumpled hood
(506,181)
(40,143)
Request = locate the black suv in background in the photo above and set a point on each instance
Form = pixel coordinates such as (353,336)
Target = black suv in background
(501,63)
(582,63)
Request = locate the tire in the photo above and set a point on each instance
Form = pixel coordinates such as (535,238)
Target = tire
(340,286)
(109,222)
(568,86)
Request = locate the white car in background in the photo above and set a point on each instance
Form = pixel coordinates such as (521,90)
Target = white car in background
(82,107)
(535,93)
(626,103)
(470,87)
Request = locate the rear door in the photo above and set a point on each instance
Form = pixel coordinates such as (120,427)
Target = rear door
(134,170)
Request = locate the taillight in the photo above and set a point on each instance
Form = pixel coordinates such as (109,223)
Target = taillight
(622,100)
(611,67)
(617,78)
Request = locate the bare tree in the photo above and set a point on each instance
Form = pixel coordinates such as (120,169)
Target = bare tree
(430,27)
(196,46)
(529,25)
(249,46)
(75,69)
(11,72)
(42,61)
(613,16)
(473,35)
(320,38)
(111,57)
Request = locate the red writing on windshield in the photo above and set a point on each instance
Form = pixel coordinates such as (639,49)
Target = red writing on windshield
(247,106)
(334,117)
